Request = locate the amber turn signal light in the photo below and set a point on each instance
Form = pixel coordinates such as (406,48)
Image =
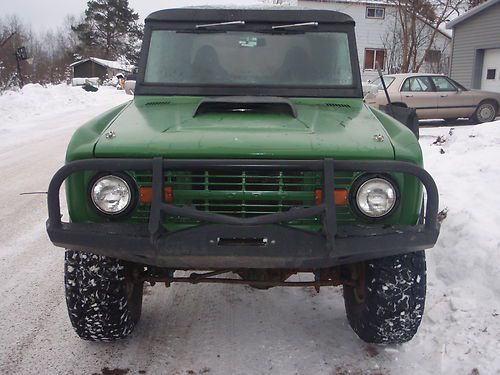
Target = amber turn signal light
(146,194)
(340,197)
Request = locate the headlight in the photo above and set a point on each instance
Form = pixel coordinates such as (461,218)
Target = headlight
(111,194)
(376,197)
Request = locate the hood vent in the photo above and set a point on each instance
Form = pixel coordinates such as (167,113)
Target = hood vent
(338,105)
(157,103)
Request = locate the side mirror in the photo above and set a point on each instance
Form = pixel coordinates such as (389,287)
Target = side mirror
(129,87)
(370,91)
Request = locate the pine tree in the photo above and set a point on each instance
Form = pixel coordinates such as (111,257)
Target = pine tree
(110,30)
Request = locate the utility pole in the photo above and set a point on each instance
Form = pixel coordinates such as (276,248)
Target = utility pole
(21,55)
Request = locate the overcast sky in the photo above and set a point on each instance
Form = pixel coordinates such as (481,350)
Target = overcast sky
(46,14)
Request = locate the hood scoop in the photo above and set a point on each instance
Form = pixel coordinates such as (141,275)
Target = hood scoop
(254,104)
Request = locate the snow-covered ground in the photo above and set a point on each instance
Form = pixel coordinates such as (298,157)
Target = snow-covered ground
(224,329)
(37,110)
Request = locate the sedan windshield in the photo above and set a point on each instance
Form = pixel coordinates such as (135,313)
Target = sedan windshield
(249,58)
(378,82)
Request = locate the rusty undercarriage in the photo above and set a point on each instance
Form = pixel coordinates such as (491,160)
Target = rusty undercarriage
(256,278)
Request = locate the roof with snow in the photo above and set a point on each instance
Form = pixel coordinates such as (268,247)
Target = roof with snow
(118,65)
(471,13)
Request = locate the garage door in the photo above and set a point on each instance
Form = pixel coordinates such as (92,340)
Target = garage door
(490,80)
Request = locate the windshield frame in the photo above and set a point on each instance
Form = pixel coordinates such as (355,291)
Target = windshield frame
(348,91)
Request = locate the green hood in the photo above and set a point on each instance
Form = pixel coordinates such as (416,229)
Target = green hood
(164,126)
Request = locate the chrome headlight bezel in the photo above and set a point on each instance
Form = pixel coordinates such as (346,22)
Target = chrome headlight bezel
(123,178)
(362,182)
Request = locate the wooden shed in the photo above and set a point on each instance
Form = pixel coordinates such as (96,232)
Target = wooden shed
(95,67)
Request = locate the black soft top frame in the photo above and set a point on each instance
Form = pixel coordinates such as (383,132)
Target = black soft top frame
(186,19)
(273,15)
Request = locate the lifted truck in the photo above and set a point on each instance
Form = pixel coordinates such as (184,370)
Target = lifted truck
(247,151)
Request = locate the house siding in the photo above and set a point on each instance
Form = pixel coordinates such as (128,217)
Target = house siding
(373,33)
(370,32)
(471,37)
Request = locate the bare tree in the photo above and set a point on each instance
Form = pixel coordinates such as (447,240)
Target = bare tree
(50,52)
(13,34)
(415,32)
(281,2)
(474,3)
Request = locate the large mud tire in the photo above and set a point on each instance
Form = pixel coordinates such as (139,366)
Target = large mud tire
(388,307)
(104,304)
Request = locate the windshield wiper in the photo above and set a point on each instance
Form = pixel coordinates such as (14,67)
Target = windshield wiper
(220,24)
(294,25)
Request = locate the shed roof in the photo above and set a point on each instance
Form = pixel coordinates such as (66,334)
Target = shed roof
(471,13)
(106,63)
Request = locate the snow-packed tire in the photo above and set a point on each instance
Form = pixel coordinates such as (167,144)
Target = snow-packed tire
(388,306)
(104,303)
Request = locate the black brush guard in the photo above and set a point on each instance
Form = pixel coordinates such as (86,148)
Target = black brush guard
(229,242)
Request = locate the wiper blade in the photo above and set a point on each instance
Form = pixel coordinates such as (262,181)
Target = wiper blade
(220,24)
(294,25)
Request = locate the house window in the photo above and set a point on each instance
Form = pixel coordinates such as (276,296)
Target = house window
(433,56)
(491,73)
(373,56)
(372,12)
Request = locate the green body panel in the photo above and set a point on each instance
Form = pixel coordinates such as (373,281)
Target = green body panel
(165,126)
(84,139)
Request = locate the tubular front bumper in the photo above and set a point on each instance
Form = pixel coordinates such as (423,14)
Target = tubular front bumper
(230,242)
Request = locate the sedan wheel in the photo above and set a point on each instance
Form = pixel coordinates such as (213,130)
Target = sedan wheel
(485,112)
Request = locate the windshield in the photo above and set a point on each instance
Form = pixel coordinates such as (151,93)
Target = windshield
(249,58)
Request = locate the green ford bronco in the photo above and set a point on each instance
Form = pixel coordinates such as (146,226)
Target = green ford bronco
(246,156)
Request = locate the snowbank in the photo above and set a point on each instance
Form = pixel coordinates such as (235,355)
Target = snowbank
(462,313)
(30,111)
(35,100)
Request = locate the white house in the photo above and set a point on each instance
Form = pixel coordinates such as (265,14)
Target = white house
(375,22)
